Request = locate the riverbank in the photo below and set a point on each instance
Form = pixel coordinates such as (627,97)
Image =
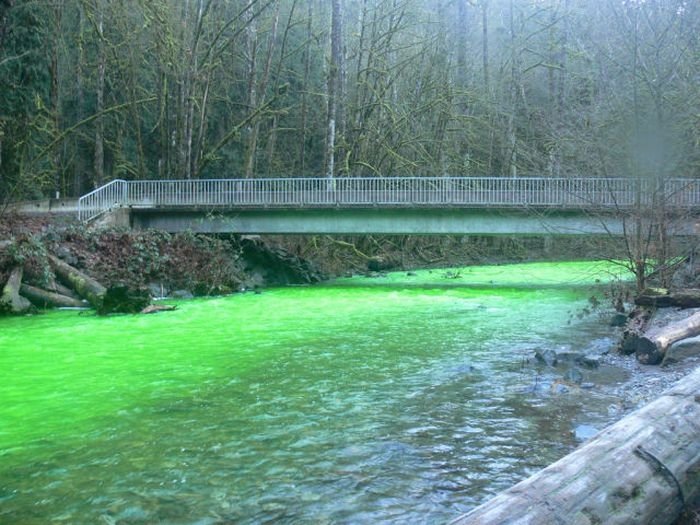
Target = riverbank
(157,264)
(147,264)
(643,386)
(647,383)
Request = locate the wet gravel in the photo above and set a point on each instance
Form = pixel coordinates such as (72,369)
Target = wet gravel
(646,383)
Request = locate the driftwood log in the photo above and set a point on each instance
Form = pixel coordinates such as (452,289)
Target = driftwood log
(155,308)
(688,298)
(43,298)
(642,470)
(651,347)
(87,287)
(11,300)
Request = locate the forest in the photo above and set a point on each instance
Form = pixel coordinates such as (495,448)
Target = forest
(92,90)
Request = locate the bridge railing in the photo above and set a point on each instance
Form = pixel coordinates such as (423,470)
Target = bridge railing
(102,199)
(392,191)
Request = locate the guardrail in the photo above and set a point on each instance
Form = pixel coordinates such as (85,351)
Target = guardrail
(104,198)
(575,193)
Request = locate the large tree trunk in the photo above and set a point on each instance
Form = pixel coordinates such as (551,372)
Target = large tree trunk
(651,347)
(99,153)
(642,470)
(333,90)
(87,287)
(11,300)
(43,298)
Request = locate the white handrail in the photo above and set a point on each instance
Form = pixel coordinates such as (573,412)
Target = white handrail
(102,199)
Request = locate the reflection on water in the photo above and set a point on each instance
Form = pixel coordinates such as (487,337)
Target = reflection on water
(361,401)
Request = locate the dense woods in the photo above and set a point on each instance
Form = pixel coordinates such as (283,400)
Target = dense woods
(92,90)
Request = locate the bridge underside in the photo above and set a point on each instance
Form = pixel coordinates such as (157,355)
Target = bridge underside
(358,221)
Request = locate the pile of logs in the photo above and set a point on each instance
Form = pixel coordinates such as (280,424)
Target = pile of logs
(72,289)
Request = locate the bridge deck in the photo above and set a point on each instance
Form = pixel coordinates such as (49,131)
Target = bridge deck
(392,192)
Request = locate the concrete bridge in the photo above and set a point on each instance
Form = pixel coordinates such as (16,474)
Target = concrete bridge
(390,205)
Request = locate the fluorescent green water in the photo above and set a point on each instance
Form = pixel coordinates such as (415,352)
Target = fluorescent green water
(399,399)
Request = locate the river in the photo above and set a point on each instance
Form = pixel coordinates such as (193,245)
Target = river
(398,399)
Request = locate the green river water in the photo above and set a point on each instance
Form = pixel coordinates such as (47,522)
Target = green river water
(400,399)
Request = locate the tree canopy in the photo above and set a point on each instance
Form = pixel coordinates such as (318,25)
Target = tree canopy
(92,90)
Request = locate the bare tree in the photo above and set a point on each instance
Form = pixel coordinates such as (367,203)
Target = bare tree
(333,87)
(99,157)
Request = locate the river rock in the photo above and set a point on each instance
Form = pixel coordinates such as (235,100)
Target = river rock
(584,432)
(589,361)
(546,357)
(601,346)
(568,356)
(618,319)
(559,388)
(682,350)
(573,375)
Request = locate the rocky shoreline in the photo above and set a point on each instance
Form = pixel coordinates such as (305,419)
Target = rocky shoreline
(646,383)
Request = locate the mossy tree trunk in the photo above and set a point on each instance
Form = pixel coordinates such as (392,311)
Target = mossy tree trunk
(87,287)
(44,298)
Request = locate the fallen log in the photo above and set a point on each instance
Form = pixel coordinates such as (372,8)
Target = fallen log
(86,287)
(650,348)
(155,308)
(44,298)
(643,469)
(58,288)
(688,298)
(11,300)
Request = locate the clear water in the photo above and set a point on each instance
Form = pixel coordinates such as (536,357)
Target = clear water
(390,400)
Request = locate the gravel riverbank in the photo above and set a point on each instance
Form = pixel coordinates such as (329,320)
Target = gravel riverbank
(647,382)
